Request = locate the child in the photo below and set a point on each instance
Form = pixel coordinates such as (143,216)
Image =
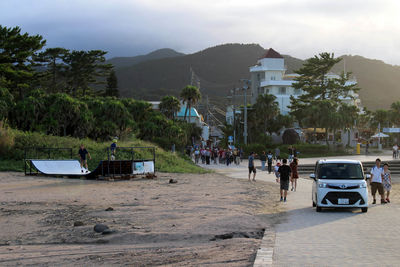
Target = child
(387,181)
(284,172)
(82,155)
(276,168)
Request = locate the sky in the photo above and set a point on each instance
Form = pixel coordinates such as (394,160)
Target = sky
(300,28)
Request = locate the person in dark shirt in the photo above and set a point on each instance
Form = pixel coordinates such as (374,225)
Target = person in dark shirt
(82,155)
(284,173)
(263,159)
(252,167)
(270,158)
(113,149)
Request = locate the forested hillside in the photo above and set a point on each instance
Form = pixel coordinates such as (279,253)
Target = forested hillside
(120,62)
(220,68)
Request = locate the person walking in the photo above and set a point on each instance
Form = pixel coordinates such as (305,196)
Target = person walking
(387,181)
(290,151)
(207,154)
(295,174)
(263,159)
(284,174)
(270,157)
(395,151)
(82,156)
(277,154)
(196,155)
(376,182)
(276,168)
(113,149)
(215,152)
(252,167)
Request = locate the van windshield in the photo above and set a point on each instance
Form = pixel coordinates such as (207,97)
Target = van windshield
(340,171)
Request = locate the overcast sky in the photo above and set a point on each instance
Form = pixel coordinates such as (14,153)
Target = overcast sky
(300,28)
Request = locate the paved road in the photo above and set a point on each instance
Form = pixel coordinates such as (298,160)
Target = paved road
(332,237)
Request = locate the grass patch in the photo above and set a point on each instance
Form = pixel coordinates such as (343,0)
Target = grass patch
(13,160)
(12,165)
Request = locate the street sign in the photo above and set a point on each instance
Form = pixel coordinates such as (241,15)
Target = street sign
(230,139)
(391,130)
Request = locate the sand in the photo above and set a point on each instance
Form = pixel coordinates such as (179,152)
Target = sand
(205,219)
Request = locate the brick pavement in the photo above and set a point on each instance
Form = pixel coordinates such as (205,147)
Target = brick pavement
(332,237)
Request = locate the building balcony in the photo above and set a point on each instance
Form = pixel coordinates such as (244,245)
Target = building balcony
(260,68)
(265,83)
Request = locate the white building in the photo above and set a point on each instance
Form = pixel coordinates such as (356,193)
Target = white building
(192,116)
(269,77)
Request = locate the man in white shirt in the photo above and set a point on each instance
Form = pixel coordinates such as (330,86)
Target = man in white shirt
(376,181)
(395,151)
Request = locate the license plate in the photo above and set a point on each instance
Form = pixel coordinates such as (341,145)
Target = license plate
(343,201)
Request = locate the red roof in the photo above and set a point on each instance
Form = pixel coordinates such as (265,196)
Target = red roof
(271,53)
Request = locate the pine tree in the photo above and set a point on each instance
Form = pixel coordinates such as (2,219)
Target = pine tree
(112,85)
(323,95)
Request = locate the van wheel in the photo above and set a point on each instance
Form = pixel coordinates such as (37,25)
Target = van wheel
(364,209)
(319,209)
(314,204)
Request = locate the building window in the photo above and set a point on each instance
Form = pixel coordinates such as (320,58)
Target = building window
(273,78)
(282,90)
(297,91)
(258,76)
(266,91)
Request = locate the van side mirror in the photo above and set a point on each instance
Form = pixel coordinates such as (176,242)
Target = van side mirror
(368,176)
(312,176)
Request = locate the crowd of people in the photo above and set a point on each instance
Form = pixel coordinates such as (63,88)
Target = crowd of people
(216,155)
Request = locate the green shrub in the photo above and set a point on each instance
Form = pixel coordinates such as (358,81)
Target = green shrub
(165,161)
(6,140)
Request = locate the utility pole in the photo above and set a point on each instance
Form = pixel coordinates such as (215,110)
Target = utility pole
(234,111)
(245,88)
(207,110)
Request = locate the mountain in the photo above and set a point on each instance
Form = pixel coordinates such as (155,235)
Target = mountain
(218,68)
(120,62)
(379,82)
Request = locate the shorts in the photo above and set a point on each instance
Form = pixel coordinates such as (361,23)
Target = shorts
(252,169)
(376,186)
(285,185)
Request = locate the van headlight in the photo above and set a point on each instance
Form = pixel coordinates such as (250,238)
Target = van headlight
(363,185)
(322,185)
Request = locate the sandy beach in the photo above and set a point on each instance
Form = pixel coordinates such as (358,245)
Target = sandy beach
(205,219)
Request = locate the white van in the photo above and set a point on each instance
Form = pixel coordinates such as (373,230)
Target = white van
(339,184)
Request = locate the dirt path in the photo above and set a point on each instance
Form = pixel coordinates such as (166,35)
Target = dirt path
(202,219)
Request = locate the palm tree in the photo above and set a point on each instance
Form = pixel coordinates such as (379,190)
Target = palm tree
(169,106)
(190,95)
(266,109)
(349,114)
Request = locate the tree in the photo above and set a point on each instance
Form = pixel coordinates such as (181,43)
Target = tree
(6,102)
(348,115)
(84,68)
(266,110)
(323,95)
(395,112)
(169,106)
(190,95)
(17,53)
(55,67)
(382,117)
(112,85)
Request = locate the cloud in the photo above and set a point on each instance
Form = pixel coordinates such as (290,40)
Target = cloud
(300,28)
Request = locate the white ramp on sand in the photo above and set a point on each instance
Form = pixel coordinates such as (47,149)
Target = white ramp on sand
(58,167)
